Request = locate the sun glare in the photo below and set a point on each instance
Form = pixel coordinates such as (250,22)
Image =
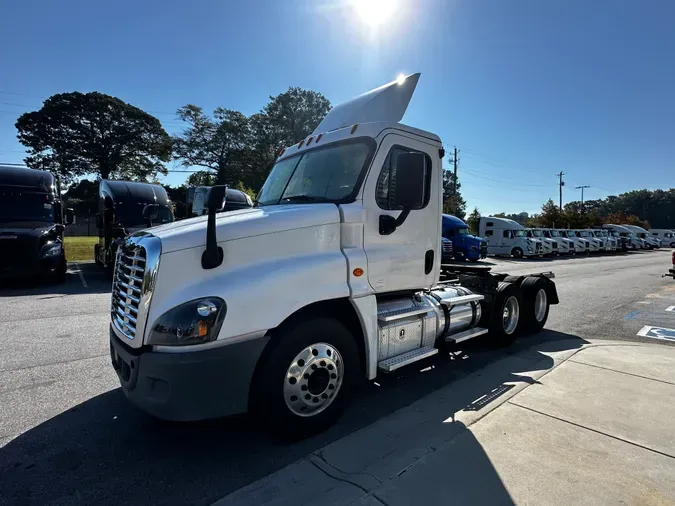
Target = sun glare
(375,12)
(400,79)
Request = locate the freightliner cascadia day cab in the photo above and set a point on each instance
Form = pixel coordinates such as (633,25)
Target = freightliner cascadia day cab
(464,245)
(126,207)
(508,237)
(32,221)
(333,277)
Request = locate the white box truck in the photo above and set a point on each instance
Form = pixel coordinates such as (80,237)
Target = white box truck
(333,277)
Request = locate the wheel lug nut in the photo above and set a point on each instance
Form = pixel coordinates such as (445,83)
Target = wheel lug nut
(294,398)
(323,363)
(316,399)
(331,387)
(330,367)
(303,388)
(292,381)
(333,376)
(314,367)
(306,376)
(308,397)
(324,396)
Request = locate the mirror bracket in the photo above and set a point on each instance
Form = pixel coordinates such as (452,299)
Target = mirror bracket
(213,255)
(389,224)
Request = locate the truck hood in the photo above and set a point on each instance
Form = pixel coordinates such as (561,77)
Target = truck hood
(233,225)
(24,229)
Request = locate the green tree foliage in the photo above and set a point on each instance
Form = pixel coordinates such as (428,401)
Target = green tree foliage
(453,203)
(201,178)
(219,142)
(550,215)
(243,149)
(473,220)
(82,196)
(75,134)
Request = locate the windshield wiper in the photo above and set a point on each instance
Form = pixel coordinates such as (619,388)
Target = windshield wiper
(305,198)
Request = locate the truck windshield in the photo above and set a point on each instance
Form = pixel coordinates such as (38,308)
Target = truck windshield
(323,175)
(519,233)
(584,233)
(554,233)
(25,206)
(462,231)
(130,214)
(537,233)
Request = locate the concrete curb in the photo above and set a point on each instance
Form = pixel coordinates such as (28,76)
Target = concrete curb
(352,469)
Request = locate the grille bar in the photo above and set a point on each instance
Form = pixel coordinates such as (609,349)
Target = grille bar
(128,288)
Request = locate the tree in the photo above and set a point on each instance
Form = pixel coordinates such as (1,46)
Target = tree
(201,178)
(286,119)
(472,221)
(550,215)
(74,134)
(453,203)
(82,196)
(219,143)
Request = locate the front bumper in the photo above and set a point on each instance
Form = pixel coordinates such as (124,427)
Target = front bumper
(188,386)
(36,267)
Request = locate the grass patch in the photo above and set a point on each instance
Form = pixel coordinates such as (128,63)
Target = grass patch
(80,248)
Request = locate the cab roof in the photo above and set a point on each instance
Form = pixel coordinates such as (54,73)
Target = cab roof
(11,175)
(454,220)
(140,192)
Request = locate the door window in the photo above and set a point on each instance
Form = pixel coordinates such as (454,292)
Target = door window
(384,193)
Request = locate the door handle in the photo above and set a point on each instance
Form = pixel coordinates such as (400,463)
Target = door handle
(428,261)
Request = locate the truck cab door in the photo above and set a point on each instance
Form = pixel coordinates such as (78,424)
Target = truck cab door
(408,258)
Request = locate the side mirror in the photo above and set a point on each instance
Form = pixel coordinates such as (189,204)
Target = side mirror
(150,212)
(60,227)
(70,216)
(410,180)
(214,197)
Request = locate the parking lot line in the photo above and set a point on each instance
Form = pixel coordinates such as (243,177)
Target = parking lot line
(662,333)
(79,271)
(670,308)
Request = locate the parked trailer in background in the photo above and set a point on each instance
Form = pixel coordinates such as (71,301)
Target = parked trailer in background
(333,277)
(506,237)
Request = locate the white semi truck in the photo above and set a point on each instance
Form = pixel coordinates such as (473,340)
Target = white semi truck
(507,237)
(333,277)
(650,242)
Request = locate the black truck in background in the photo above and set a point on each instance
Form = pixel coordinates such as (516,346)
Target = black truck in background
(32,221)
(125,207)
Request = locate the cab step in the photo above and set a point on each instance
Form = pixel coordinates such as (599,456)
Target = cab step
(466,335)
(393,363)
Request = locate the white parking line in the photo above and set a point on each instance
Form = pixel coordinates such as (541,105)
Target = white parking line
(670,308)
(79,271)
(657,333)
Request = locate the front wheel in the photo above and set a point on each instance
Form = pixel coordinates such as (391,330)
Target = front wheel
(305,380)
(517,253)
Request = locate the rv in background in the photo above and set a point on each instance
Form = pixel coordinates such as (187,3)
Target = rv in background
(126,207)
(666,236)
(508,237)
(31,224)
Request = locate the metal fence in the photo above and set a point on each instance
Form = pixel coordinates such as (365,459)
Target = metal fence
(85,225)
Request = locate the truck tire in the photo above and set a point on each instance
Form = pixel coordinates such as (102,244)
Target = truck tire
(97,260)
(59,275)
(505,314)
(304,381)
(536,305)
(517,253)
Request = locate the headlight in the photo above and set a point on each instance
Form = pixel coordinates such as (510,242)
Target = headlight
(51,249)
(194,322)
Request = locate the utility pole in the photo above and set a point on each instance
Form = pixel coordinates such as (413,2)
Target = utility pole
(562,183)
(582,194)
(454,162)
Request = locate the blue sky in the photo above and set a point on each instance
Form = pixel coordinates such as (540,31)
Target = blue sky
(523,88)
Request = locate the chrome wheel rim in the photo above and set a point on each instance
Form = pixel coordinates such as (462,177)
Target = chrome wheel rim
(313,379)
(540,304)
(510,315)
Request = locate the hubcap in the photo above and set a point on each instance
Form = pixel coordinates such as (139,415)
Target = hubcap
(510,316)
(313,379)
(540,304)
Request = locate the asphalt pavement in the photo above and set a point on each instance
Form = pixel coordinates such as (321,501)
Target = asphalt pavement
(69,435)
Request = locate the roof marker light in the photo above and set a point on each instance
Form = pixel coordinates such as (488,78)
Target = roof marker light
(354,128)
(309,140)
(318,137)
(301,143)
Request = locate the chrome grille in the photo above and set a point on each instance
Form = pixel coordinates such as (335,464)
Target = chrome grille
(447,246)
(128,288)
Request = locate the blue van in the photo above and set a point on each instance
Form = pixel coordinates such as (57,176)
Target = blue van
(465,246)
